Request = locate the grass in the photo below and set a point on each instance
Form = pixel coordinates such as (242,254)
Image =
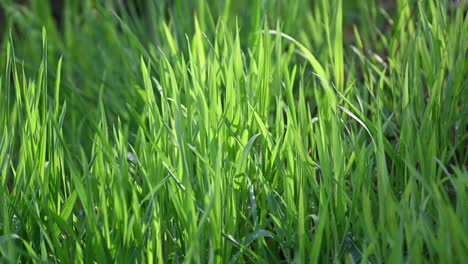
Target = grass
(234,132)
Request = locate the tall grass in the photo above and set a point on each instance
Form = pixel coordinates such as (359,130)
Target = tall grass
(234,132)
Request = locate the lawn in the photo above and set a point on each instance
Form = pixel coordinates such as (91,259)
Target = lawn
(247,131)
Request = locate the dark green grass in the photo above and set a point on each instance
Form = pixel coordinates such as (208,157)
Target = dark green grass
(234,132)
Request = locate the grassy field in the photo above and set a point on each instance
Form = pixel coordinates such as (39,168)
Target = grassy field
(242,131)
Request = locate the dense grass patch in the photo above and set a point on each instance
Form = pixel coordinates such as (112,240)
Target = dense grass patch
(243,131)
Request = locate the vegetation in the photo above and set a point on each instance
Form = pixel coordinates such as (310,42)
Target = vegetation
(240,131)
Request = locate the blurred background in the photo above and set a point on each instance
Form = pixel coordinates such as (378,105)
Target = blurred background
(90,35)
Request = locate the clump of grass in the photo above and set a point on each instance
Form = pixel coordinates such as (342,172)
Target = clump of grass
(196,132)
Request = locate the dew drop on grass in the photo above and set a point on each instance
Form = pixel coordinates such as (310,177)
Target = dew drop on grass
(131,157)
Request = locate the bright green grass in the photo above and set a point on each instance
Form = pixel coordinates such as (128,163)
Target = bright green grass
(234,132)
